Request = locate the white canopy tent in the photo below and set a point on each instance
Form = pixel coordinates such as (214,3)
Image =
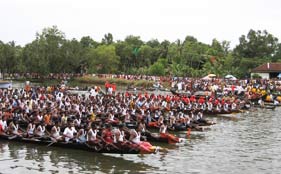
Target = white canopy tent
(230,77)
(209,77)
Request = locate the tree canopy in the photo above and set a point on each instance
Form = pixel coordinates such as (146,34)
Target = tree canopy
(51,52)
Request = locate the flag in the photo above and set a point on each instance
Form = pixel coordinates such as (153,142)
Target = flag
(135,51)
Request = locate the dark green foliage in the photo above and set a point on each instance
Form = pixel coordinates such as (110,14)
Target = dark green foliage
(51,52)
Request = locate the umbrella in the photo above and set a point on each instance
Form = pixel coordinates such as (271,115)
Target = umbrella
(231,77)
(206,78)
(211,75)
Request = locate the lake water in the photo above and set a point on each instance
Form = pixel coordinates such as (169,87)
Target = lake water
(249,144)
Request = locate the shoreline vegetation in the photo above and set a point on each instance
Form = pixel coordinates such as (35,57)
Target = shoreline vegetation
(51,52)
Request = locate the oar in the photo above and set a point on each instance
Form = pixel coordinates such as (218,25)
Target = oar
(51,143)
(188,132)
(12,137)
(53,139)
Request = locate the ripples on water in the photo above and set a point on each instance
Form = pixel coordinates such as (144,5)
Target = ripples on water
(250,144)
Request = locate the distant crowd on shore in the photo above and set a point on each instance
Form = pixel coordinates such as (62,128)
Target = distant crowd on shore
(179,83)
(59,76)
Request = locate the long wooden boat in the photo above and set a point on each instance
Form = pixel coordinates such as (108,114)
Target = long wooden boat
(271,104)
(81,146)
(197,127)
(179,93)
(5,84)
(216,112)
(155,137)
(272,107)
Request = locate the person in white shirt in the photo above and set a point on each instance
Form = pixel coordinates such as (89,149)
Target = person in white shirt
(69,132)
(40,130)
(3,125)
(13,129)
(110,91)
(30,129)
(55,132)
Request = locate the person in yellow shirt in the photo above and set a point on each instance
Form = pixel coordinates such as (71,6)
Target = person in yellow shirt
(92,117)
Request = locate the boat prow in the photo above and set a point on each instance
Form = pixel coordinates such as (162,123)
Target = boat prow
(5,84)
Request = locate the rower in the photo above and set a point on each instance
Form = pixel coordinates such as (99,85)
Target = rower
(135,136)
(55,132)
(172,120)
(39,117)
(111,118)
(69,132)
(127,118)
(77,121)
(30,129)
(119,135)
(64,119)
(233,106)
(3,125)
(163,127)
(13,129)
(81,136)
(40,130)
(92,134)
(218,107)
(47,118)
(225,106)
(199,117)
(261,102)
(160,120)
(164,133)
(210,105)
(142,126)
(107,134)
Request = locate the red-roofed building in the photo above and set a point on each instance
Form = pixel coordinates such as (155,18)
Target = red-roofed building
(267,70)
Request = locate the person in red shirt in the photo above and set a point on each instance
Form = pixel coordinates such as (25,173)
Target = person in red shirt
(201,100)
(107,134)
(106,85)
(192,98)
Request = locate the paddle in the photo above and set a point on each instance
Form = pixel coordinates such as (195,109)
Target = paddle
(12,137)
(188,132)
(53,139)
(51,143)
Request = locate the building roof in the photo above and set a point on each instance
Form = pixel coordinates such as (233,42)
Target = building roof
(267,68)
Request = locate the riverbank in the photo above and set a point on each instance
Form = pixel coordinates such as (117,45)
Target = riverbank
(93,80)
(119,82)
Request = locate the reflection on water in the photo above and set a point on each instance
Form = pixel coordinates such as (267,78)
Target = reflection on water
(17,157)
(250,144)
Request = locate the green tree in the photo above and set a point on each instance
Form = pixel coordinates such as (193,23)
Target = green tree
(74,59)
(157,69)
(88,42)
(103,59)
(108,39)
(257,44)
(8,57)
(43,55)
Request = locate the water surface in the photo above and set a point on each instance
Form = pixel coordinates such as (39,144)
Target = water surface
(249,144)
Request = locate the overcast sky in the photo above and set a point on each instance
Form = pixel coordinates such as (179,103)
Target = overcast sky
(160,19)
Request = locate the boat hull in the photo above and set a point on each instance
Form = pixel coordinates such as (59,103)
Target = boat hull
(78,146)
